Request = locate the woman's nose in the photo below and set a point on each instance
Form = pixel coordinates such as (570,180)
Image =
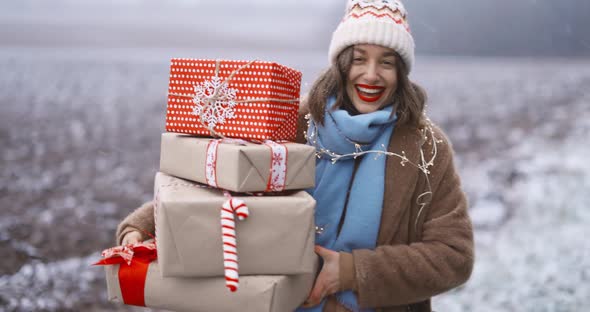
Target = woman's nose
(371,72)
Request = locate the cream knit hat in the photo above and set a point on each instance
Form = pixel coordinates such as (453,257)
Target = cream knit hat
(380,22)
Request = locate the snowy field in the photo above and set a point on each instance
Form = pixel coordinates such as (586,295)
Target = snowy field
(79,131)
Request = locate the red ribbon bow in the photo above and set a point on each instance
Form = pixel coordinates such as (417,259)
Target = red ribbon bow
(134,260)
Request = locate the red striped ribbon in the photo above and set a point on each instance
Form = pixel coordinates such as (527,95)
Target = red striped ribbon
(231,207)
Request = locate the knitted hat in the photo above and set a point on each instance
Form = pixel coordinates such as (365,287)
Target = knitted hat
(380,22)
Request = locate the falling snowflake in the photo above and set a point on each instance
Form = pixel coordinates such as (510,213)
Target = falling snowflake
(214,102)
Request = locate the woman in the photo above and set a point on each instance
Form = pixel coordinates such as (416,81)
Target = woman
(391,219)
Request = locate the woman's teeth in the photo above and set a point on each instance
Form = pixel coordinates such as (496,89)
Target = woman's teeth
(369,93)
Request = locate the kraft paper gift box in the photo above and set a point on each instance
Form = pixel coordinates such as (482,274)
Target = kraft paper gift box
(240,99)
(276,293)
(239,167)
(277,238)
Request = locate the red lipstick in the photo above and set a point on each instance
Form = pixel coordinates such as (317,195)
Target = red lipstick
(369,93)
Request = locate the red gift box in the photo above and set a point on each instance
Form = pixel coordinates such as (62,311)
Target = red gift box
(241,99)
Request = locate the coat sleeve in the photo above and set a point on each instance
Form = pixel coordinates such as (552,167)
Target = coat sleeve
(141,220)
(393,275)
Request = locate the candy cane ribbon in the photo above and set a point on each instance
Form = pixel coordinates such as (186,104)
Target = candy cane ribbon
(278,163)
(228,231)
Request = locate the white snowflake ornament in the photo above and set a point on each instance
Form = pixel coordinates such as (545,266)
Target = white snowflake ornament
(214,102)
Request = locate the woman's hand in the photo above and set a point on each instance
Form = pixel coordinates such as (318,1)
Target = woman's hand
(131,238)
(328,281)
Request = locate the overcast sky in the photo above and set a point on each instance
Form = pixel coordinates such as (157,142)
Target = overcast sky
(450,27)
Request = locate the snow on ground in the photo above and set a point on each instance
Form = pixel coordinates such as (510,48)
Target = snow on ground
(45,291)
(528,178)
(80,135)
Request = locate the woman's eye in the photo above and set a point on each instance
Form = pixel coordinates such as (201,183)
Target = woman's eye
(388,63)
(358,59)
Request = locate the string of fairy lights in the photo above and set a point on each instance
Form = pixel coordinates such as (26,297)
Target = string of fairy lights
(427,132)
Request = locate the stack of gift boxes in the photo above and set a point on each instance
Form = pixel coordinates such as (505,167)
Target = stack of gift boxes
(234,228)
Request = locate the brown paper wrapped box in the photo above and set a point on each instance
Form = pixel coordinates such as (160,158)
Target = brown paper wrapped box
(240,168)
(277,238)
(256,293)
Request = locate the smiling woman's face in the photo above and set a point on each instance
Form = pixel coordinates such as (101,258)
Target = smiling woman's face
(372,79)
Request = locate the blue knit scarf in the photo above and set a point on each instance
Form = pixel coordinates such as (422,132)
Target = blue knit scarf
(365,201)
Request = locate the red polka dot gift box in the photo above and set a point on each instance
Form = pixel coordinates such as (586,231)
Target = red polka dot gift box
(253,100)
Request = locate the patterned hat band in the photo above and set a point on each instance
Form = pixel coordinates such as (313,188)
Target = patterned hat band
(379,22)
